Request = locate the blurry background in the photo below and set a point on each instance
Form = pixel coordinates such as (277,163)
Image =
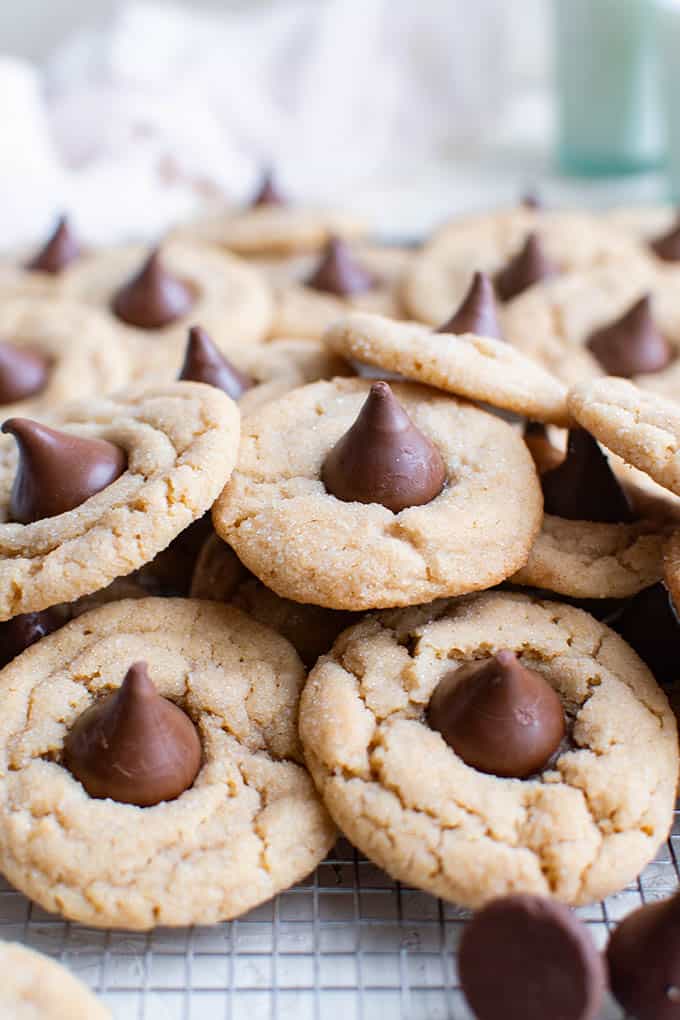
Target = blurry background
(131,114)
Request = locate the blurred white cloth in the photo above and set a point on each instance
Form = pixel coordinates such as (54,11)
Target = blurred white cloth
(130,126)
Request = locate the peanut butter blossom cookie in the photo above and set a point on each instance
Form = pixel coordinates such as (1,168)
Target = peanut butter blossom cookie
(102,493)
(35,987)
(158,780)
(493,744)
(160,294)
(354,496)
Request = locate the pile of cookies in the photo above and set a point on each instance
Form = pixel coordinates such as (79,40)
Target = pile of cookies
(300,532)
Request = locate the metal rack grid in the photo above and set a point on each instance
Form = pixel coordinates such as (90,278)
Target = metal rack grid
(347,943)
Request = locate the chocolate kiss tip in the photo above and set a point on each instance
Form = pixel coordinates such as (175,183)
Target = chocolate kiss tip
(134,746)
(644,961)
(584,487)
(23,373)
(60,250)
(498,716)
(203,362)
(58,471)
(152,298)
(667,247)
(632,344)
(476,312)
(268,192)
(339,272)
(383,458)
(529,266)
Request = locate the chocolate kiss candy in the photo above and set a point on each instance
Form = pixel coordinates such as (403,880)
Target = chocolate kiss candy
(152,298)
(546,456)
(584,487)
(58,471)
(339,272)
(632,345)
(649,624)
(528,958)
(24,630)
(498,716)
(134,746)
(384,458)
(204,363)
(23,372)
(644,961)
(477,311)
(667,247)
(267,193)
(61,249)
(528,266)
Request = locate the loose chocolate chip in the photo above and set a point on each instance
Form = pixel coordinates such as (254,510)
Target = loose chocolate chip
(134,746)
(22,631)
(584,487)
(59,251)
(498,716)
(23,372)
(530,265)
(667,247)
(528,958)
(203,362)
(631,345)
(152,298)
(384,458)
(644,961)
(58,471)
(267,193)
(340,273)
(477,311)
(650,626)
(546,456)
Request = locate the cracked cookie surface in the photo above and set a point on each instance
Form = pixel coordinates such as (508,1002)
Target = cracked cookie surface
(478,368)
(308,546)
(581,830)
(36,987)
(181,442)
(251,824)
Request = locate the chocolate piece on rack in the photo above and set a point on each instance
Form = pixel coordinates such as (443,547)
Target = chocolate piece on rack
(584,487)
(59,251)
(58,471)
(267,193)
(529,266)
(650,625)
(384,458)
(203,362)
(152,298)
(526,957)
(340,273)
(22,631)
(546,456)
(476,312)
(667,247)
(632,344)
(23,372)
(644,961)
(133,745)
(498,716)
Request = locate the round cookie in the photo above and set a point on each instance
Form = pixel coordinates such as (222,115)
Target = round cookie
(593,560)
(300,310)
(249,826)
(644,223)
(271,229)
(35,987)
(229,298)
(478,368)
(579,831)
(181,442)
(441,274)
(86,354)
(307,545)
(639,426)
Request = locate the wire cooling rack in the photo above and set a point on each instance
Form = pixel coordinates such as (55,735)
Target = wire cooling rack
(346,944)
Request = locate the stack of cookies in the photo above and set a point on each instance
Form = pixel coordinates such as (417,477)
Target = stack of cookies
(304,533)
